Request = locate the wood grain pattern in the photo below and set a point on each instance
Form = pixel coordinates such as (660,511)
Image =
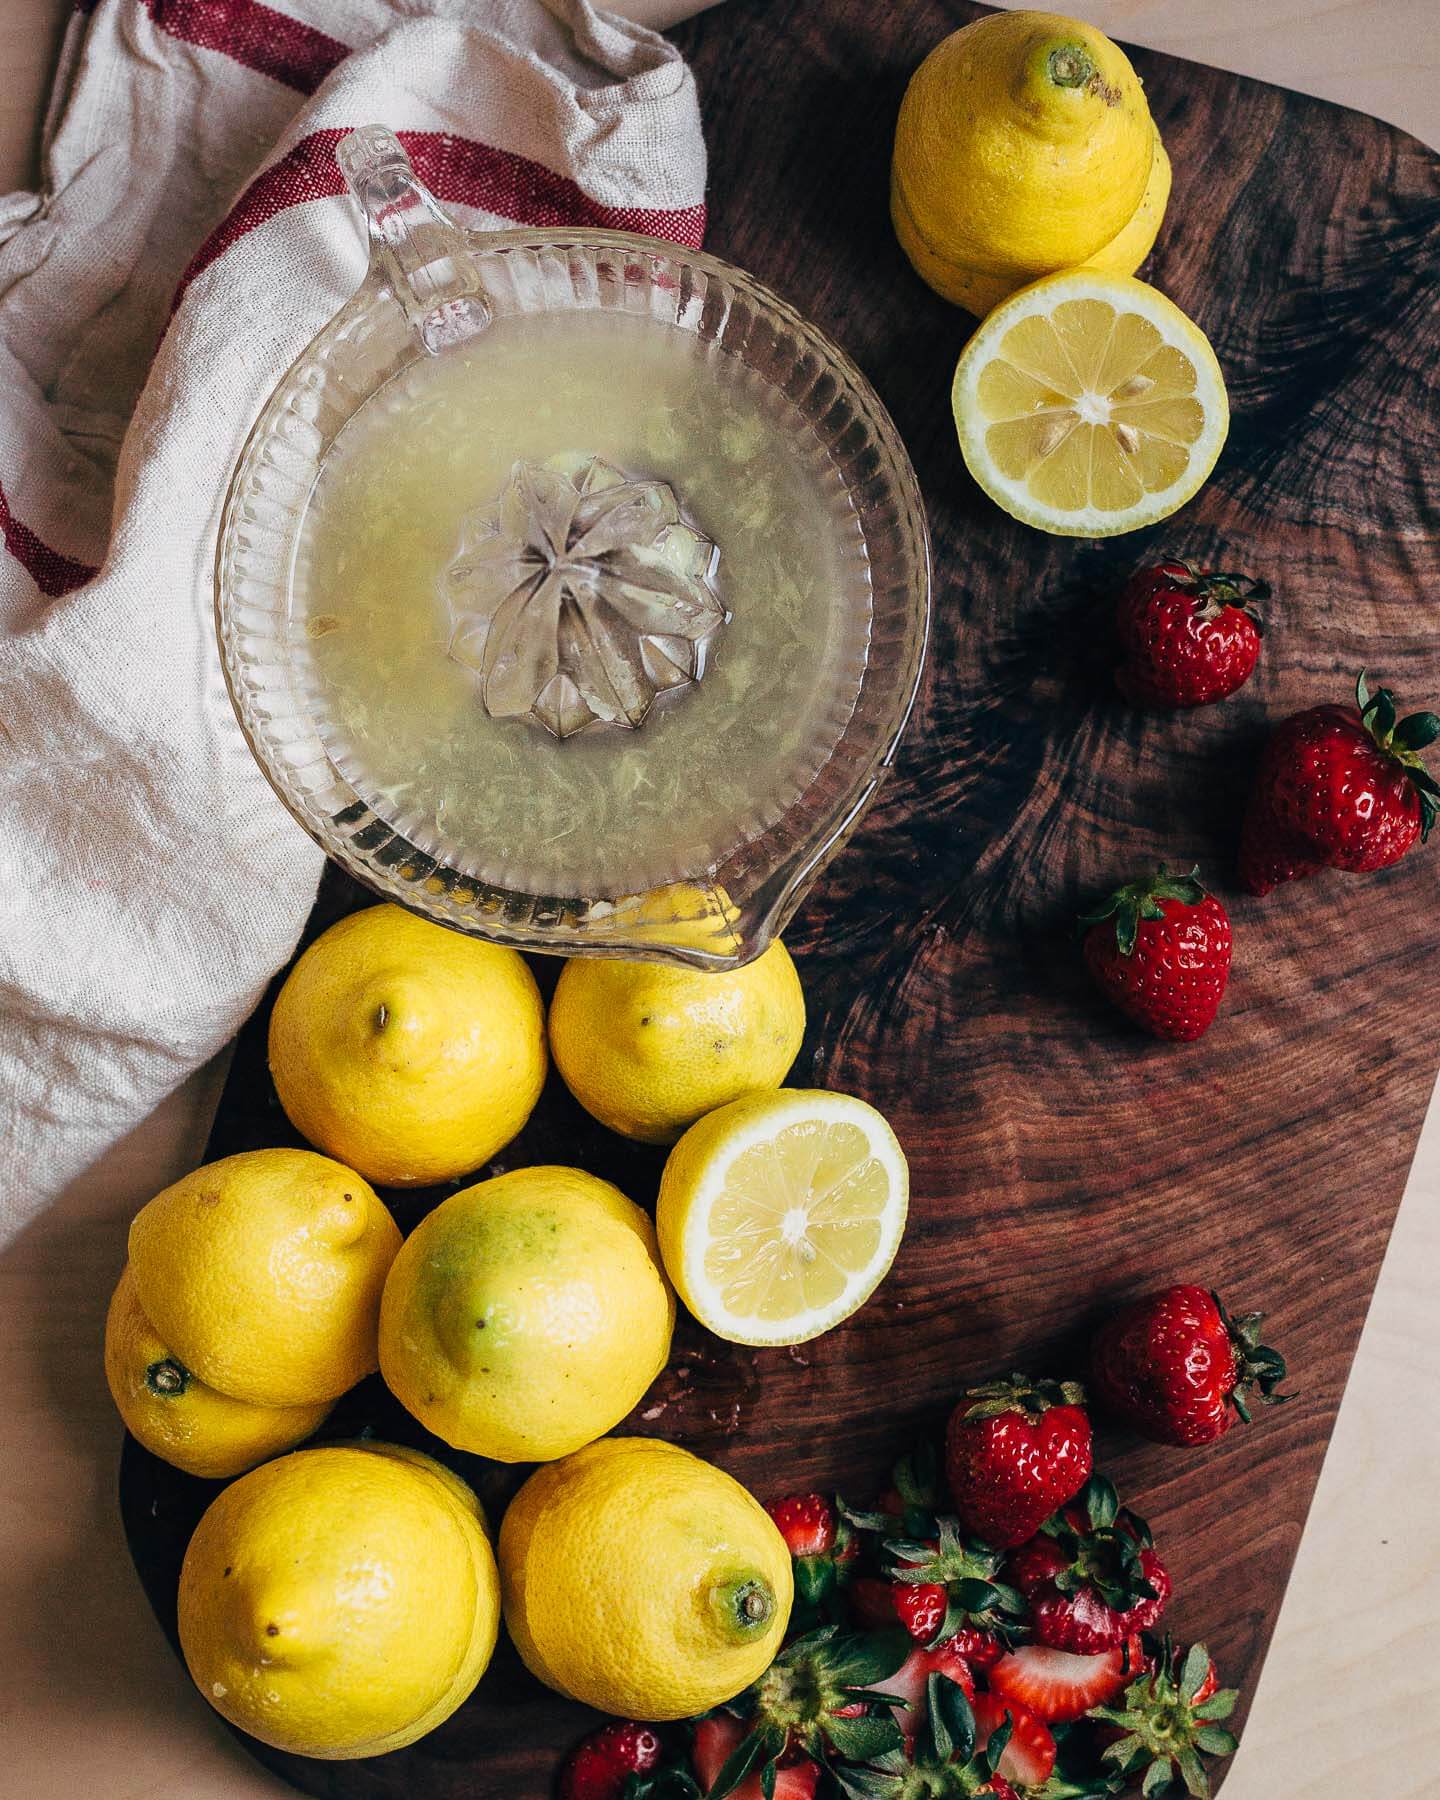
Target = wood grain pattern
(1059,1161)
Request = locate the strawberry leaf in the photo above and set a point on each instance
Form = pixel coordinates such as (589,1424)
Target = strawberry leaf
(1417,731)
(862,1740)
(741,1762)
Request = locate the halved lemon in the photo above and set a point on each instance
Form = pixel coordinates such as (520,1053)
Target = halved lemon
(1088,404)
(780,1213)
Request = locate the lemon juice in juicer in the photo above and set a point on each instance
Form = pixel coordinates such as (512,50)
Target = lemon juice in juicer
(597,591)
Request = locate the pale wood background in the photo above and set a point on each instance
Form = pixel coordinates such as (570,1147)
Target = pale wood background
(91,1702)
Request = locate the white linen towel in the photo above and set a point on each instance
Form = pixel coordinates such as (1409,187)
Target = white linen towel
(193,235)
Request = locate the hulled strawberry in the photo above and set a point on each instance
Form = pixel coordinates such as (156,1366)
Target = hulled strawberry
(1092,1577)
(821,1544)
(1339,787)
(1159,949)
(1028,1758)
(944,1761)
(824,1695)
(1058,1686)
(1177,1368)
(1168,1717)
(718,1738)
(1015,1451)
(1187,636)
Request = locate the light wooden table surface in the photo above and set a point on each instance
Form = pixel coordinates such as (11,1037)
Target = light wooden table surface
(93,1706)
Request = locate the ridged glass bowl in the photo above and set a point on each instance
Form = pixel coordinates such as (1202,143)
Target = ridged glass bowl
(432,292)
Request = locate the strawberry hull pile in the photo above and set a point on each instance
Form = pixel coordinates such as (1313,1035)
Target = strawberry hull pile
(999,1623)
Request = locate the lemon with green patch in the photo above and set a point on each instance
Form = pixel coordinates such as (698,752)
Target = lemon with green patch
(526,1315)
(643,1581)
(648,1049)
(341,1601)
(409,1051)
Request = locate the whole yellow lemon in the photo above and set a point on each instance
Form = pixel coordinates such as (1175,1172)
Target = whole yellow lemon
(648,1048)
(643,1581)
(1024,145)
(526,1315)
(175,1415)
(410,1052)
(262,1274)
(341,1601)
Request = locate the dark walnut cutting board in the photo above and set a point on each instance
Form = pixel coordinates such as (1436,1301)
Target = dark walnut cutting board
(1061,1162)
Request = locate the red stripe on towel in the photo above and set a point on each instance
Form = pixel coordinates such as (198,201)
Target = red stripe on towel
(52,571)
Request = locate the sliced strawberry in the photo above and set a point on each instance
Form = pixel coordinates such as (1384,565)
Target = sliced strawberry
(911,1679)
(1056,1685)
(716,1738)
(1029,1756)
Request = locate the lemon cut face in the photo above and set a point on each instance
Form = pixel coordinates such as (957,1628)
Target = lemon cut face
(780,1213)
(1089,404)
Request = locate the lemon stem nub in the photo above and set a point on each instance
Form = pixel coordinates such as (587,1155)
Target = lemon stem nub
(167,1377)
(747,1605)
(1070,66)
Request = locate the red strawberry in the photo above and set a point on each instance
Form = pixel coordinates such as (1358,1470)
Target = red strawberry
(1159,948)
(911,1679)
(718,1736)
(1015,1450)
(1175,1366)
(1169,1715)
(1092,1579)
(947,1584)
(1187,636)
(1029,1757)
(600,1765)
(1055,1684)
(822,1545)
(981,1649)
(806,1522)
(1339,787)
(921,1608)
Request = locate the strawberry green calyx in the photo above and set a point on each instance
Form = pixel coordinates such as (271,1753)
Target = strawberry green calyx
(1215,589)
(1403,739)
(1020,1394)
(1141,899)
(966,1569)
(803,1699)
(1168,1727)
(1104,1548)
(944,1763)
(1257,1366)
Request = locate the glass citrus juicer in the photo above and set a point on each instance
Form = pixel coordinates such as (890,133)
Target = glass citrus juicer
(572,590)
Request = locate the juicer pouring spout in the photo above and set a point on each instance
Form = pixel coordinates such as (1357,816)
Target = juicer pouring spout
(421,253)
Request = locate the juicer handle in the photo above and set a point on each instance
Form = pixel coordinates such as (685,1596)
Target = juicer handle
(424,254)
